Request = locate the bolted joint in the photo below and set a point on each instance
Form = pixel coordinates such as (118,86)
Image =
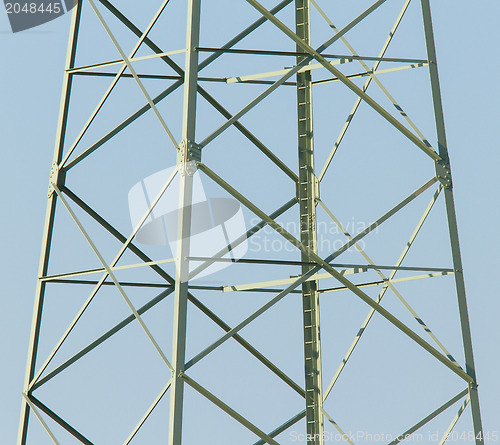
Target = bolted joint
(56,178)
(443,173)
(316,188)
(188,156)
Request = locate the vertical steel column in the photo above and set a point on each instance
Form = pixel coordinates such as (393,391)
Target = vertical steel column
(58,177)
(443,172)
(307,194)
(187,156)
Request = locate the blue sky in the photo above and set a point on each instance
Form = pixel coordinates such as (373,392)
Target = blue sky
(30,83)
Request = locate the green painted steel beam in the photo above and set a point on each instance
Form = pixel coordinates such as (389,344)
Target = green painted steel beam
(443,171)
(48,227)
(307,192)
(188,153)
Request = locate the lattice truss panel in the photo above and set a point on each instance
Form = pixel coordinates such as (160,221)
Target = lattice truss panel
(308,136)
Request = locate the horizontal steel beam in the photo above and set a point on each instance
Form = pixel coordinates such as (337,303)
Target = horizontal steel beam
(322,276)
(370,73)
(311,263)
(79,69)
(166,77)
(387,281)
(101,270)
(351,57)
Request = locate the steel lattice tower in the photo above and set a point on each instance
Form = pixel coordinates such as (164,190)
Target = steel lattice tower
(72,200)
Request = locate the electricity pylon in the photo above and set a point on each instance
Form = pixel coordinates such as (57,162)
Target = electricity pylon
(287,37)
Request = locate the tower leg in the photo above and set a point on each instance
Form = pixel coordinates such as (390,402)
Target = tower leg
(188,154)
(443,172)
(48,227)
(307,193)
